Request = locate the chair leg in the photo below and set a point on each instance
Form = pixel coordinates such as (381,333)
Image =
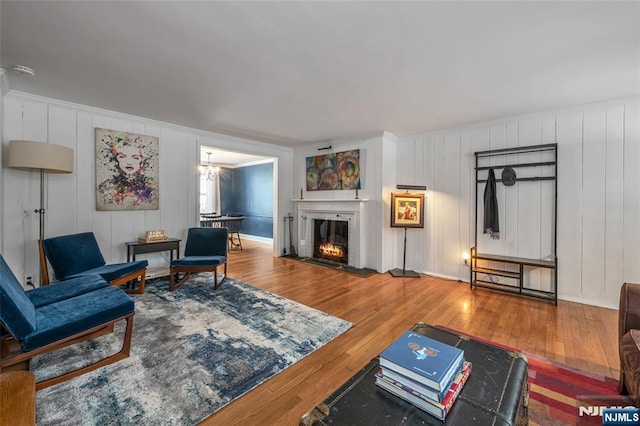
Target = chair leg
(217,284)
(172,279)
(232,242)
(132,277)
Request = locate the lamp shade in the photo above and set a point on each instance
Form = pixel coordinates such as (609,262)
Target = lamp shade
(48,157)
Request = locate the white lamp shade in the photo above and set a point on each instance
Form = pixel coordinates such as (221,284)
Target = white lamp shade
(31,155)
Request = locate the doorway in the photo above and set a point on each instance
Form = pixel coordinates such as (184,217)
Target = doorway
(234,183)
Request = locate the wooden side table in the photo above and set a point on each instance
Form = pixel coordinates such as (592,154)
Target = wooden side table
(136,247)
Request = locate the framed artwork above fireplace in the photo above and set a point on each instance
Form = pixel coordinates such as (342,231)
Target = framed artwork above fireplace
(335,171)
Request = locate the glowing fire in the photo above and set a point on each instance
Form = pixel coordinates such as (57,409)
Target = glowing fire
(329,249)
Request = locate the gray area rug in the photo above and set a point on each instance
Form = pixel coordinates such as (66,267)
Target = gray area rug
(193,351)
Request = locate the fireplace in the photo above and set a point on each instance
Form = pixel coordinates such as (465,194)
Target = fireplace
(331,240)
(348,221)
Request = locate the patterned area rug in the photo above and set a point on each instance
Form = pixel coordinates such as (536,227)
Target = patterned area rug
(193,351)
(560,395)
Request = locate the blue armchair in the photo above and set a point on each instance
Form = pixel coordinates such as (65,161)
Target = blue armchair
(49,318)
(77,255)
(205,251)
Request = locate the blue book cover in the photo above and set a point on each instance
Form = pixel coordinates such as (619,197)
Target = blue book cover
(423,359)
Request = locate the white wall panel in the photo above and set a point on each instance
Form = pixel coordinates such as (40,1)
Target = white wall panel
(406,173)
(387,160)
(511,218)
(467,214)
(529,193)
(20,229)
(480,142)
(421,239)
(569,140)
(439,204)
(62,131)
(632,193)
(547,206)
(451,204)
(152,218)
(429,172)
(593,207)
(613,193)
(497,141)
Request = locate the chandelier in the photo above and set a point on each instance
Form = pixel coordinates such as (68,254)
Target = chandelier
(209,170)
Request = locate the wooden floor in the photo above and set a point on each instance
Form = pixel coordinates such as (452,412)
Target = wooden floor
(382,307)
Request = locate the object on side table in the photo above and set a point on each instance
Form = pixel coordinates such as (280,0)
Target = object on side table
(77,255)
(423,359)
(439,408)
(153,236)
(17,398)
(629,341)
(205,251)
(52,317)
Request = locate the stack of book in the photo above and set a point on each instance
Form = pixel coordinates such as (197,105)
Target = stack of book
(425,372)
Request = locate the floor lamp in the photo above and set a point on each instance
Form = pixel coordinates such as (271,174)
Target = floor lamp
(45,157)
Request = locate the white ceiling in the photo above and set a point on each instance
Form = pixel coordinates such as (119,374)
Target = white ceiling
(295,72)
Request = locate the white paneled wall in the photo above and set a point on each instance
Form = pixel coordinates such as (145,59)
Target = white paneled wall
(70,203)
(598,226)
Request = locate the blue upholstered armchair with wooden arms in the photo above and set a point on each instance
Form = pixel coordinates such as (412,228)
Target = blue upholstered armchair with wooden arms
(52,317)
(76,255)
(205,251)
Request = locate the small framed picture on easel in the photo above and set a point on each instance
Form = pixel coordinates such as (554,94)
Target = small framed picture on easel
(407,210)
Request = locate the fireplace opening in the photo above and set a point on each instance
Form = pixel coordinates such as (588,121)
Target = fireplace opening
(331,240)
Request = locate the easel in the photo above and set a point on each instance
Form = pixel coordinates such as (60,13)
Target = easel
(404,273)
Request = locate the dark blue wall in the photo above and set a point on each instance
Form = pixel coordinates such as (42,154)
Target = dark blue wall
(249,191)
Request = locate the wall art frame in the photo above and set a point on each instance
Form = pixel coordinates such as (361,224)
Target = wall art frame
(127,171)
(334,171)
(407,210)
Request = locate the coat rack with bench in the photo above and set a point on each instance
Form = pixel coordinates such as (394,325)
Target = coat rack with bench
(512,268)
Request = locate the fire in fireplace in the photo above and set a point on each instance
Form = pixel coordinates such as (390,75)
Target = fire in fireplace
(331,240)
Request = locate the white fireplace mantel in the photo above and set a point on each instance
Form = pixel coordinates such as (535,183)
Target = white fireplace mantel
(351,210)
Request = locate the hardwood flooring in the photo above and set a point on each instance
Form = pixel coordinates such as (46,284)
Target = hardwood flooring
(382,307)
